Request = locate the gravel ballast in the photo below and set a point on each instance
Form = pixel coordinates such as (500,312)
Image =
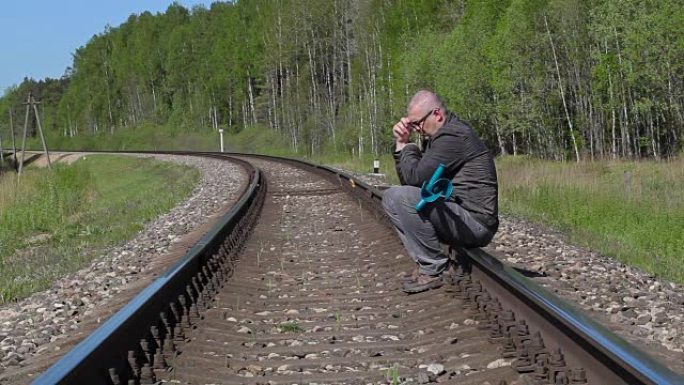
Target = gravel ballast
(644,310)
(639,307)
(40,324)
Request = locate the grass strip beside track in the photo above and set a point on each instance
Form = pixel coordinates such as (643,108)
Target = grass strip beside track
(55,222)
(631,211)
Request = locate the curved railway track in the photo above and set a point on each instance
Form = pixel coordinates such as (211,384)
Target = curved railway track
(299,284)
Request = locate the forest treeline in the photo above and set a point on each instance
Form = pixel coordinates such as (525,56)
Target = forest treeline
(557,79)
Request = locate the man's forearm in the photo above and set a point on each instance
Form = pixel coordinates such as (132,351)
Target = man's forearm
(405,160)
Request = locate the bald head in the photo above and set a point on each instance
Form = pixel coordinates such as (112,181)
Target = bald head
(426,112)
(424,101)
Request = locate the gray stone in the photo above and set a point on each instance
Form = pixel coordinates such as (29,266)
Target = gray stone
(437,369)
(660,317)
(643,319)
(629,313)
(423,378)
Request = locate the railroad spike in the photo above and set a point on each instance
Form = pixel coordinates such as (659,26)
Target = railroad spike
(185,320)
(507,322)
(216,282)
(508,348)
(197,281)
(578,376)
(176,313)
(495,334)
(523,362)
(507,317)
(192,313)
(133,363)
(207,274)
(202,278)
(541,372)
(198,290)
(213,264)
(114,376)
(178,334)
(210,290)
(557,358)
(147,376)
(156,336)
(475,290)
(222,261)
(481,309)
(185,312)
(147,352)
(168,330)
(537,340)
(485,323)
(191,294)
(169,348)
(183,301)
(494,306)
(537,348)
(522,333)
(159,361)
(463,286)
(202,302)
(154,331)
(561,379)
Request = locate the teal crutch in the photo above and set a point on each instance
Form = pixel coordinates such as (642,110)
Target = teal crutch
(435,188)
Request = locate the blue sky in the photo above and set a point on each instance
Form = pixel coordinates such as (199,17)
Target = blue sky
(38,37)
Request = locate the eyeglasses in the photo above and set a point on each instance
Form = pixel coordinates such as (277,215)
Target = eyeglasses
(417,124)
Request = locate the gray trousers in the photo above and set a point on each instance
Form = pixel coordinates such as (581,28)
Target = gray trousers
(421,232)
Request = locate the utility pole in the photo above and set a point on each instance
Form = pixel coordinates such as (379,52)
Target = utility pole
(31,105)
(14,142)
(23,143)
(40,131)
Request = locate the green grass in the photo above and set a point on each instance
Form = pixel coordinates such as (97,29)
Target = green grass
(290,327)
(55,222)
(392,375)
(632,211)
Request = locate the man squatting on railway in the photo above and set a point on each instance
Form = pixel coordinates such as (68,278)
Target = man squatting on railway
(468,218)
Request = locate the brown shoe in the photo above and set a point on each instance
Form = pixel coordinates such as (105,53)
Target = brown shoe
(423,283)
(410,277)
